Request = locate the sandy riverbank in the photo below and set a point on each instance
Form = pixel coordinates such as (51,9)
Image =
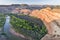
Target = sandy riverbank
(19,35)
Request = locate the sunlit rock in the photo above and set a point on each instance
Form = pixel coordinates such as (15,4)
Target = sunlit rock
(25,11)
(51,20)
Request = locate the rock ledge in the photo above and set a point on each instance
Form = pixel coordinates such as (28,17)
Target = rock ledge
(49,37)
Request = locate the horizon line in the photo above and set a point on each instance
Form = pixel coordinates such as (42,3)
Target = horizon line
(31,4)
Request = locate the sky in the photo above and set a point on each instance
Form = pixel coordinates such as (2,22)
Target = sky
(37,2)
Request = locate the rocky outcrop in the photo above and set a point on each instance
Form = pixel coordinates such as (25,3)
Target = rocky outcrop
(49,37)
(16,11)
(21,11)
(51,19)
(25,11)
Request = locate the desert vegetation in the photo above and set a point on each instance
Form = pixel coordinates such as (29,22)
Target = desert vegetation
(2,20)
(28,28)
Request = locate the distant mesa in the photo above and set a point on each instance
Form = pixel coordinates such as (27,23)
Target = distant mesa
(19,4)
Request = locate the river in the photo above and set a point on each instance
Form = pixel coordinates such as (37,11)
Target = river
(6,29)
(7,24)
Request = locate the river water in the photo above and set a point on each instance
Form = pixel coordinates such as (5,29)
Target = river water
(7,24)
(6,29)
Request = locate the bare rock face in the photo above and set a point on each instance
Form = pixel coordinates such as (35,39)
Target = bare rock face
(52,22)
(49,37)
(51,19)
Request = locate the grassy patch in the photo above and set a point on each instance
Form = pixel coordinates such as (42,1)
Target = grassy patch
(2,20)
